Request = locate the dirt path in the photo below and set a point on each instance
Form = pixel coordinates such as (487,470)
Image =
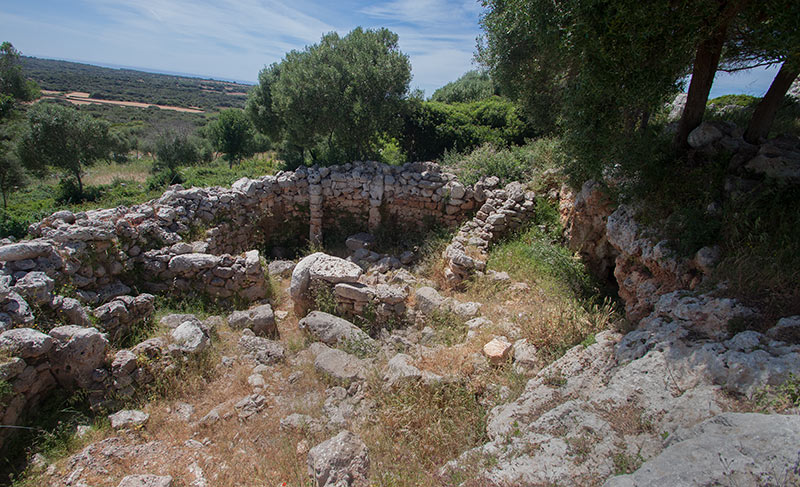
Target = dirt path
(83,98)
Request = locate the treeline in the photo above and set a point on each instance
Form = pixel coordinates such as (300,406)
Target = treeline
(131,85)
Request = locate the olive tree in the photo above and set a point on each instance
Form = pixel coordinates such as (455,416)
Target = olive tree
(333,99)
(232,134)
(62,138)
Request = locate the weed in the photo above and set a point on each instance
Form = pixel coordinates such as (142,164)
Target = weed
(589,341)
(417,428)
(359,348)
(449,328)
(324,299)
(625,463)
(779,398)
(580,447)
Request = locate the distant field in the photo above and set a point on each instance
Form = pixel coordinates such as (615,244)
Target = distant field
(106,85)
(83,98)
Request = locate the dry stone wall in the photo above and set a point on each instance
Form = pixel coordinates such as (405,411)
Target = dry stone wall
(98,268)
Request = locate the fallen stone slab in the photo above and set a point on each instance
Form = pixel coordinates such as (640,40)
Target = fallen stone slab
(260,319)
(332,330)
(128,418)
(338,364)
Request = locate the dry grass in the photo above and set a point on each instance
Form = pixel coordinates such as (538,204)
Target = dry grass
(411,431)
(135,171)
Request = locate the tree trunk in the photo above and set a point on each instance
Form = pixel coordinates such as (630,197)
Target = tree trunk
(705,67)
(80,183)
(703,70)
(762,119)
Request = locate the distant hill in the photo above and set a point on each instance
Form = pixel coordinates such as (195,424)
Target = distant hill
(134,86)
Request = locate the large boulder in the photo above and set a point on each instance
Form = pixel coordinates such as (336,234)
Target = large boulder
(322,268)
(331,329)
(191,263)
(78,351)
(190,338)
(260,319)
(26,342)
(729,449)
(301,278)
(340,461)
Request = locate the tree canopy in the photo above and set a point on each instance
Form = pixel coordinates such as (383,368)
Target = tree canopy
(232,134)
(61,137)
(334,99)
(471,86)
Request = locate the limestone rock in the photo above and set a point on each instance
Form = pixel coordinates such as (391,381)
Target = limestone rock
(185,263)
(262,350)
(36,287)
(190,338)
(497,350)
(339,462)
(732,448)
(428,300)
(146,481)
(338,364)
(281,268)
(128,418)
(786,330)
(331,329)
(399,370)
(23,251)
(301,278)
(26,342)
(77,353)
(260,319)
(705,134)
(173,321)
(334,270)
(250,406)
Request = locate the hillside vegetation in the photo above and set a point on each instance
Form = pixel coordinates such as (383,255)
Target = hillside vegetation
(131,85)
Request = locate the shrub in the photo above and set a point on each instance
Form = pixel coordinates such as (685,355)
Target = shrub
(518,163)
(431,128)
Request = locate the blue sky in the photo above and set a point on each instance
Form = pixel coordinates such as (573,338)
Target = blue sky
(234,39)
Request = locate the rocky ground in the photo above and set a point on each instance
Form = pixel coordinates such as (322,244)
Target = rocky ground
(450,364)
(288,401)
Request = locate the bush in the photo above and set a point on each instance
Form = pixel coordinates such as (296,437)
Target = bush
(431,128)
(513,164)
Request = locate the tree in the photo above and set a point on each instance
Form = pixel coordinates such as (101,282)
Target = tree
(63,138)
(11,172)
(766,35)
(232,134)
(715,18)
(334,99)
(173,149)
(12,82)
(593,69)
(472,86)
(13,85)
